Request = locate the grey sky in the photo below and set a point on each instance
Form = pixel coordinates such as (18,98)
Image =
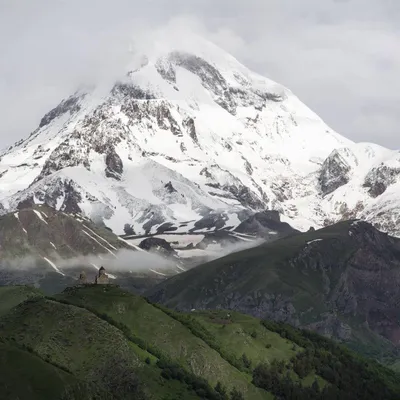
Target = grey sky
(341,57)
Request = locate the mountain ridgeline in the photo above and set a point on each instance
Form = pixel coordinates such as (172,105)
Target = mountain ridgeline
(99,342)
(342,281)
(191,139)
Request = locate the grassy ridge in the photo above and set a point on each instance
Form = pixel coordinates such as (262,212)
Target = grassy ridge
(11,296)
(102,343)
(172,339)
(89,348)
(24,375)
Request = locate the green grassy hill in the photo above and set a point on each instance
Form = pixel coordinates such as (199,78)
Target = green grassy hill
(11,296)
(159,333)
(99,342)
(26,376)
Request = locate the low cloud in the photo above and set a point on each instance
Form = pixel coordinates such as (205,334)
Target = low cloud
(123,261)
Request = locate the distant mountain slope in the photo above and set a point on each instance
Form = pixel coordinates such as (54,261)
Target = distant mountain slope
(190,134)
(42,232)
(109,344)
(342,281)
(41,243)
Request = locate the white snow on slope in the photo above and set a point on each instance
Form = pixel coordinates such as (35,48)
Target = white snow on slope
(101,238)
(53,266)
(315,240)
(197,132)
(16,215)
(40,216)
(94,239)
(156,272)
(128,242)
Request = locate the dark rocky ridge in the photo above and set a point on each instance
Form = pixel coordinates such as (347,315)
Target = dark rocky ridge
(380,178)
(334,173)
(156,244)
(262,223)
(115,167)
(70,105)
(342,281)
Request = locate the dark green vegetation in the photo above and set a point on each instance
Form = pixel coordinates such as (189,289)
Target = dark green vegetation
(24,375)
(349,376)
(99,342)
(342,281)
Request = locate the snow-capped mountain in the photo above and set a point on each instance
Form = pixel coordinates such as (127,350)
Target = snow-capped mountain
(191,140)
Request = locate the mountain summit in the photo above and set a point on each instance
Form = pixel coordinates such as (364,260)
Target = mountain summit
(190,139)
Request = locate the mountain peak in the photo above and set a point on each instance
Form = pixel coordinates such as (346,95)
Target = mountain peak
(227,139)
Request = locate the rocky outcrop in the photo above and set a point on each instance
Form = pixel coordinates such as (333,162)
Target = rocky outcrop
(70,105)
(114,164)
(380,178)
(334,173)
(131,91)
(169,188)
(210,77)
(264,223)
(160,246)
(128,229)
(190,126)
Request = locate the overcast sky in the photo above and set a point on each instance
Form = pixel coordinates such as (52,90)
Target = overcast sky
(341,57)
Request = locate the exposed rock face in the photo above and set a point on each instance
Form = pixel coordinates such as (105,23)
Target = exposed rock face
(209,75)
(128,229)
(27,203)
(333,328)
(380,178)
(132,92)
(65,156)
(114,164)
(254,200)
(170,189)
(191,129)
(70,105)
(158,245)
(263,223)
(334,173)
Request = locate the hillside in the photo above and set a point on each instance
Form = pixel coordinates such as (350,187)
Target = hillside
(342,281)
(42,232)
(190,140)
(103,343)
(26,376)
